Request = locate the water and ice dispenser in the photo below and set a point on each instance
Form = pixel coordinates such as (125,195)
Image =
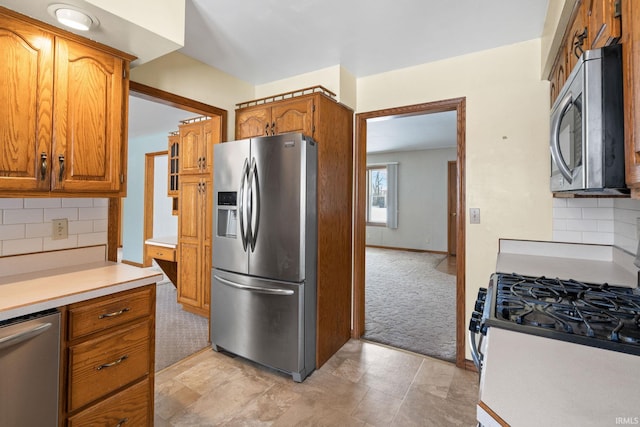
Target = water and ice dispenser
(227,214)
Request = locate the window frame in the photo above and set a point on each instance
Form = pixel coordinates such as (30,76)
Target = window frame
(368,222)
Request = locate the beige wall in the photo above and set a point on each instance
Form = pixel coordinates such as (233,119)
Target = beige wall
(181,75)
(337,79)
(507,122)
(507,159)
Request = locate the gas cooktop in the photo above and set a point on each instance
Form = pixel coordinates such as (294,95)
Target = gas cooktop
(598,315)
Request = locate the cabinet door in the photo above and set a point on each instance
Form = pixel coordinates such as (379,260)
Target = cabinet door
(254,121)
(631,73)
(88,120)
(577,32)
(26,84)
(189,240)
(604,26)
(293,116)
(173,163)
(190,148)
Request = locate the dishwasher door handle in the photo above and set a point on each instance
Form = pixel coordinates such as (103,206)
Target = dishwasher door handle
(14,339)
(272,291)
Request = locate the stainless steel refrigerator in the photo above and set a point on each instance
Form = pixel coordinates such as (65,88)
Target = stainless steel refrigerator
(263,284)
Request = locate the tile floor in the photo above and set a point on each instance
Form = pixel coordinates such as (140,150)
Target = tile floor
(364,384)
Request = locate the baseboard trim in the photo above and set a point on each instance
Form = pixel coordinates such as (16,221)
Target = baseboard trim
(407,249)
(470,366)
(135,264)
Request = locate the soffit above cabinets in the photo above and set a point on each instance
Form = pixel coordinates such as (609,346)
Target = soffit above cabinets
(146,29)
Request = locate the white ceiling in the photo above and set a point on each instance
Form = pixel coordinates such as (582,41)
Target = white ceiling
(261,41)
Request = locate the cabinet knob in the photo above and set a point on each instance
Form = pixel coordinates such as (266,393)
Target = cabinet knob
(266,129)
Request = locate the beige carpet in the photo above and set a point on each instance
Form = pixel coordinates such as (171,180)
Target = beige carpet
(409,304)
(178,333)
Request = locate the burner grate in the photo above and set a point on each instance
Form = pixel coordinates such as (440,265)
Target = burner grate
(599,311)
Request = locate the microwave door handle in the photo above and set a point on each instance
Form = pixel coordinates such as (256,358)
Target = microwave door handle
(243,235)
(555,138)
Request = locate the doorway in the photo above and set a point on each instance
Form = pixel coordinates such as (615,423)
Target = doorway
(360,182)
(178,333)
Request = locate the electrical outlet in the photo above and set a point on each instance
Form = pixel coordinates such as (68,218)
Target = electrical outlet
(474,215)
(60,229)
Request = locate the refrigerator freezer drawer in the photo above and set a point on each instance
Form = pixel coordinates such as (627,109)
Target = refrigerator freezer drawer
(261,320)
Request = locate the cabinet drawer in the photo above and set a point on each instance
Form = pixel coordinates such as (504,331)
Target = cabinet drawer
(102,365)
(103,313)
(160,252)
(130,407)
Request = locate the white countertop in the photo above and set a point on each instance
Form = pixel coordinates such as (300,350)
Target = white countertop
(581,262)
(31,292)
(167,241)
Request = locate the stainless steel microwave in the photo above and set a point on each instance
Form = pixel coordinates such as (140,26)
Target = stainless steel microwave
(587,127)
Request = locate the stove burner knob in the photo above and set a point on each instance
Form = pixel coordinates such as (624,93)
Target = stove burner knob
(475,322)
(479,306)
(482,294)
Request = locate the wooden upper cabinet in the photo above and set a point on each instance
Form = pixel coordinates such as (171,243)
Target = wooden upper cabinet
(293,116)
(603,22)
(578,37)
(631,88)
(87,145)
(197,137)
(63,118)
(26,84)
(594,24)
(253,121)
(286,116)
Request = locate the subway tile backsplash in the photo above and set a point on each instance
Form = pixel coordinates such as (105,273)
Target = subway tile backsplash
(25,224)
(610,221)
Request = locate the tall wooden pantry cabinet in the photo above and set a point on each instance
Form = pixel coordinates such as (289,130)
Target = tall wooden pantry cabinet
(195,202)
(314,112)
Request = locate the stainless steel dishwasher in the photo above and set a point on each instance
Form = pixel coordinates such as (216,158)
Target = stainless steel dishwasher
(29,370)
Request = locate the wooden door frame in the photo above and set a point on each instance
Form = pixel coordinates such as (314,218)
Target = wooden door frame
(149,195)
(157,95)
(451,186)
(360,206)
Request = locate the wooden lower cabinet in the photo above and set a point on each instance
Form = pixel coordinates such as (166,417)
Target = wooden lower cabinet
(194,244)
(130,407)
(108,360)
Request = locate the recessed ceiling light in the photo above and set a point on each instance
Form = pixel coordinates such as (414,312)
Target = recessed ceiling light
(73,17)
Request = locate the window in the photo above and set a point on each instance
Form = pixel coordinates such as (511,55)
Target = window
(377,195)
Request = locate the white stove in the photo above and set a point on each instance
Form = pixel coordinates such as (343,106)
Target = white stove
(557,352)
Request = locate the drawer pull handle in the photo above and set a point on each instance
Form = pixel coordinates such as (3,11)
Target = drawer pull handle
(114,363)
(121,422)
(115,313)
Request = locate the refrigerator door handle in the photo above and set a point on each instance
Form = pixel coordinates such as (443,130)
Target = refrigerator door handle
(243,233)
(260,289)
(255,213)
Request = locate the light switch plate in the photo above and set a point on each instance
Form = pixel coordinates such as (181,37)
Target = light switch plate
(60,229)
(474,215)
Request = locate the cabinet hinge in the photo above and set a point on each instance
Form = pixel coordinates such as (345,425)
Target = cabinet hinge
(617,9)
(124,73)
(121,178)
(313,108)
